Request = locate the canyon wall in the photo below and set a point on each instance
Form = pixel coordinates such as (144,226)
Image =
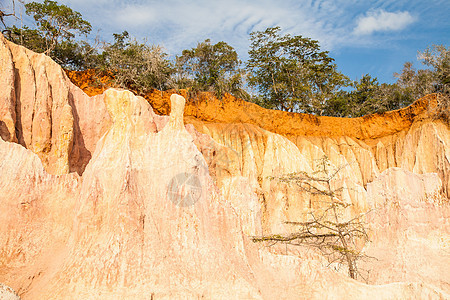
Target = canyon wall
(118,196)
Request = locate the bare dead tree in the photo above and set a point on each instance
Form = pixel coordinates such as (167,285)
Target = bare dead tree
(442,110)
(3,14)
(327,229)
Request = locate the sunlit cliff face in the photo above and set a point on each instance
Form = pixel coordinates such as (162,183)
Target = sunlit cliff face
(101,197)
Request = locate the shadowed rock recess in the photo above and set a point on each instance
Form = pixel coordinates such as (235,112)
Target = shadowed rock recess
(116,196)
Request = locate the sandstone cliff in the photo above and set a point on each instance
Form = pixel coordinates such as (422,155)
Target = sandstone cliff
(102,197)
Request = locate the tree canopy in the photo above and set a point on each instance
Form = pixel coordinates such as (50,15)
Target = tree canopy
(291,73)
(135,65)
(210,67)
(56,22)
(283,71)
(57,25)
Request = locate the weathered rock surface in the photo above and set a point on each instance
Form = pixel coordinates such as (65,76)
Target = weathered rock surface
(7,293)
(410,229)
(40,110)
(421,148)
(102,198)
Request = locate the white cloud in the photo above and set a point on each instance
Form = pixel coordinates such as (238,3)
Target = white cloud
(381,20)
(178,24)
(132,16)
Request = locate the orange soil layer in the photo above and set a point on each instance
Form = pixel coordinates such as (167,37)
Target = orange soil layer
(206,108)
(90,81)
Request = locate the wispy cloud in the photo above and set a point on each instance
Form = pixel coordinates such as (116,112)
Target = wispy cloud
(178,24)
(381,20)
(135,16)
(341,26)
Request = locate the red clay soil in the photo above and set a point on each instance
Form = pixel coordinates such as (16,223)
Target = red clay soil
(90,81)
(206,108)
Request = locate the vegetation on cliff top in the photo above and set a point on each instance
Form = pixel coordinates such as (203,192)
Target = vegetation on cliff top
(283,72)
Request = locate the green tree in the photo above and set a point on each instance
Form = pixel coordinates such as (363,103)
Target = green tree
(339,105)
(291,73)
(434,79)
(56,22)
(364,96)
(391,97)
(367,97)
(415,83)
(75,55)
(70,54)
(210,67)
(27,37)
(55,33)
(135,65)
(437,57)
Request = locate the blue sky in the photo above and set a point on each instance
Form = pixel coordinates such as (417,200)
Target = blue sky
(374,37)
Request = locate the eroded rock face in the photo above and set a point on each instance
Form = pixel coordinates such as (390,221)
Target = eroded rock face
(40,109)
(410,229)
(129,237)
(102,198)
(7,293)
(258,154)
